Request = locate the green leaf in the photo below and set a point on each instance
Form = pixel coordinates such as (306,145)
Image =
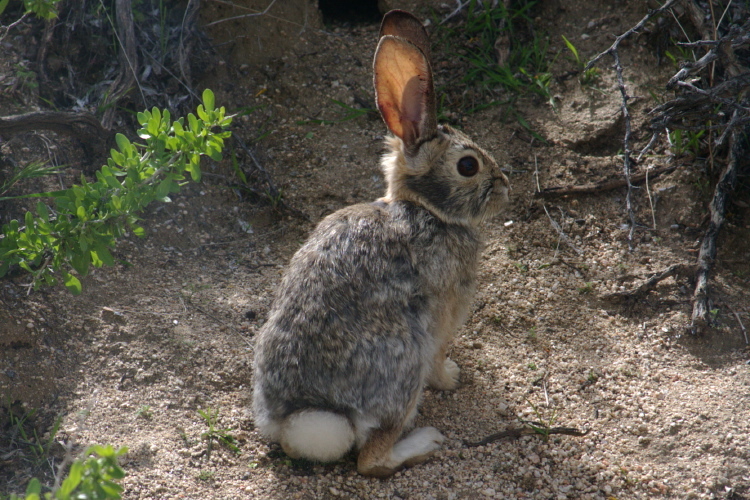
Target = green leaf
(74,287)
(193,122)
(29,220)
(118,158)
(195,168)
(202,113)
(41,210)
(162,190)
(34,487)
(3,5)
(80,262)
(122,142)
(138,231)
(178,130)
(208,99)
(103,254)
(214,154)
(72,481)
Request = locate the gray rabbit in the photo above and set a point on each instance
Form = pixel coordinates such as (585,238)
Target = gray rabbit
(365,312)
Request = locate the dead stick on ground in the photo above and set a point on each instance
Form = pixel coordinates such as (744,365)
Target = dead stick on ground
(532,429)
(641,290)
(742,327)
(598,187)
(81,125)
(612,51)
(725,186)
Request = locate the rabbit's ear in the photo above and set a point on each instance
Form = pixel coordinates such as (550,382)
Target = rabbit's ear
(403,24)
(404,91)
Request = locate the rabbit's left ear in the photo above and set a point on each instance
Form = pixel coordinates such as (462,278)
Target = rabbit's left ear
(403,24)
(404,91)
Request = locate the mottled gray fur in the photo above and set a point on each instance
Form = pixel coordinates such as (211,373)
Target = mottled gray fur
(364,315)
(350,328)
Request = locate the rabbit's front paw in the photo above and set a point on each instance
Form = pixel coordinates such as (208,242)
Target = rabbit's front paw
(444,375)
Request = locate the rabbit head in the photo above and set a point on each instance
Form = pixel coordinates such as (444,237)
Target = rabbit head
(431,165)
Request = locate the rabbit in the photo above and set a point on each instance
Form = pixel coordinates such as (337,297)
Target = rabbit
(363,316)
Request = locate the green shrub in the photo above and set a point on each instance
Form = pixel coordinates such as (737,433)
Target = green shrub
(82,226)
(92,478)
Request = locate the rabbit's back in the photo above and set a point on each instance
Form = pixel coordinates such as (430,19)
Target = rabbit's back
(350,328)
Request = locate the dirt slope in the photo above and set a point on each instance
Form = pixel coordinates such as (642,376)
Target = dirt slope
(132,360)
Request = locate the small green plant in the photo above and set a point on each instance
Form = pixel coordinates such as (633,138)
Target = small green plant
(587,75)
(39,448)
(532,366)
(686,141)
(30,171)
(26,78)
(81,227)
(679,54)
(526,68)
(532,335)
(214,433)
(205,475)
(544,424)
(94,477)
(144,412)
(45,9)
(522,268)
(586,289)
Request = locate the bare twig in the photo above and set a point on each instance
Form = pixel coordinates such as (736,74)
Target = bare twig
(255,13)
(598,187)
(736,38)
(742,327)
(634,29)
(648,147)
(6,29)
(127,78)
(532,429)
(455,12)
(561,234)
(701,299)
(83,126)
(564,237)
(644,288)
(612,51)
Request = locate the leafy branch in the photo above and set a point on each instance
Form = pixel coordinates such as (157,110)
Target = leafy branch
(95,478)
(81,227)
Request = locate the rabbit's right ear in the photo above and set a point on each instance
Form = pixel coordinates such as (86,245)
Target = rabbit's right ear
(403,24)
(404,91)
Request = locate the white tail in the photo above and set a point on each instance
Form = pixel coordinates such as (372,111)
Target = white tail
(317,435)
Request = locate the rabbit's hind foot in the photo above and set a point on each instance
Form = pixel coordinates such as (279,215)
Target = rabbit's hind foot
(445,375)
(320,436)
(382,456)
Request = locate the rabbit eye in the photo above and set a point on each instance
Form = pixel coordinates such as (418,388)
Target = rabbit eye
(468,166)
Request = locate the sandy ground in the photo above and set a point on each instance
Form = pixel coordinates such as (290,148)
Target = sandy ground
(133,360)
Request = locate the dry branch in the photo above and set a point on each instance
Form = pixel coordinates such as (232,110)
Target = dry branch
(644,288)
(612,51)
(601,186)
(83,126)
(126,79)
(701,300)
(737,38)
(532,429)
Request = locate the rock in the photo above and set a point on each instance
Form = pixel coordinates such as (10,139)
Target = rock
(112,317)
